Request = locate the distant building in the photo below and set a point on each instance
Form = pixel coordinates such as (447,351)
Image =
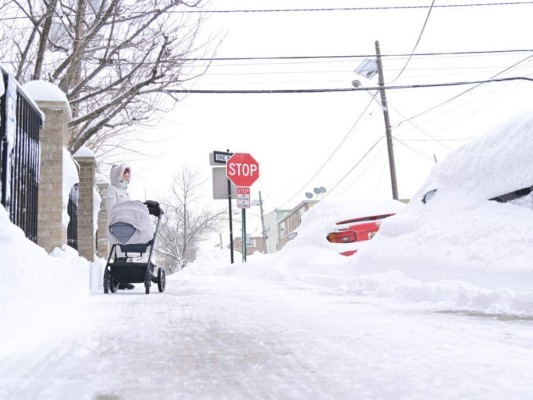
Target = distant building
(278,224)
(272,229)
(293,220)
(253,244)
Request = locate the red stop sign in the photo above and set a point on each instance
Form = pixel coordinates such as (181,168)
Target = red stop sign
(242,169)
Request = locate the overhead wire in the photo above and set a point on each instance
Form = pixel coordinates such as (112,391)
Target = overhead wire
(413,149)
(417,42)
(418,128)
(332,153)
(337,56)
(369,8)
(381,173)
(352,89)
(323,9)
(353,167)
(376,156)
(464,92)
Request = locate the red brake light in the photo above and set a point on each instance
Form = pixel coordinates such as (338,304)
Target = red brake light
(342,237)
(348,253)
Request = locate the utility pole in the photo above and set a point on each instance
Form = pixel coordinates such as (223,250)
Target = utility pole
(263,224)
(392,166)
(230,221)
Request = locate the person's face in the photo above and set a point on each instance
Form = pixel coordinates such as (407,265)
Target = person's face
(126,175)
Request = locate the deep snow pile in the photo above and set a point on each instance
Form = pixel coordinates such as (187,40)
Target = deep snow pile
(35,284)
(461,239)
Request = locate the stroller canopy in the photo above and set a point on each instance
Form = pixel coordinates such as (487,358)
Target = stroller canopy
(130,223)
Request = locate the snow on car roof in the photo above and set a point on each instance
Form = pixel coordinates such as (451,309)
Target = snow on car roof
(496,163)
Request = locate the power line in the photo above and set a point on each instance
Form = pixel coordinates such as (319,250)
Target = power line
(412,149)
(330,9)
(417,42)
(333,90)
(354,167)
(450,53)
(332,154)
(372,162)
(334,9)
(418,128)
(464,92)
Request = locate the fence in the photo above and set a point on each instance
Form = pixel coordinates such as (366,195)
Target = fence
(20,122)
(72,209)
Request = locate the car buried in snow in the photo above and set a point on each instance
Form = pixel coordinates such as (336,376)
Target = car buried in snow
(343,226)
(356,230)
(471,219)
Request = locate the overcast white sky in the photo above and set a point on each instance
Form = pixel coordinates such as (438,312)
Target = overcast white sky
(293,135)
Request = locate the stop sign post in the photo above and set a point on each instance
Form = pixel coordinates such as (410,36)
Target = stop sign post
(243,171)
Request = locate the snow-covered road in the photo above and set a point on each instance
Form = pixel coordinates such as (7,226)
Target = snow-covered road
(231,338)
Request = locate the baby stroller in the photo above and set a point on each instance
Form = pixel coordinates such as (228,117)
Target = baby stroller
(130,230)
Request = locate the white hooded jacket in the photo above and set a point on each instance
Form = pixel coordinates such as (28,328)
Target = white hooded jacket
(118,190)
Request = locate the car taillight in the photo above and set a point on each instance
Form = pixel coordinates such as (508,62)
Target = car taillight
(348,253)
(342,237)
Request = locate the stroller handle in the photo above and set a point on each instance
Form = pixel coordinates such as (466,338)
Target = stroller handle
(154,208)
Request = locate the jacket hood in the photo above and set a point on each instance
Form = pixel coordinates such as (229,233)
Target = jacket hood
(116,173)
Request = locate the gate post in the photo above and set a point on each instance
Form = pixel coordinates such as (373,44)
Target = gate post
(87,223)
(102,245)
(51,232)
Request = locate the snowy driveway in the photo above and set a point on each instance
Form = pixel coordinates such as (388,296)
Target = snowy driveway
(231,338)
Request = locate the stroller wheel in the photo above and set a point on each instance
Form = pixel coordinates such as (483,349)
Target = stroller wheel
(110,285)
(107,285)
(113,284)
(161,279)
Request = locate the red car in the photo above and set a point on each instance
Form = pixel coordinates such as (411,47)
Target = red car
(356,230)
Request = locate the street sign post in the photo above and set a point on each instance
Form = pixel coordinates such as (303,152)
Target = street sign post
(243,171)
(218,158)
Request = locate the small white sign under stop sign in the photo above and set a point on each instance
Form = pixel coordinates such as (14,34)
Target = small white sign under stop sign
(243,197)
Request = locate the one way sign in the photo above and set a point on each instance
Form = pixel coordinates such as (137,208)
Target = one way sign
(219,157)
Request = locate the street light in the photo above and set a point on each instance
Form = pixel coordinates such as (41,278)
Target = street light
(357,84)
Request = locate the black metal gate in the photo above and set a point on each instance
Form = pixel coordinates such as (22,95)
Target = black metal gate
(72,209)
(20,122)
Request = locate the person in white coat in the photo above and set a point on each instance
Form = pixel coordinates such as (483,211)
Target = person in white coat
(118,190)
(116,193)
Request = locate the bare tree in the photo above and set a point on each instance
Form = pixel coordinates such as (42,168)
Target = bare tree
(117,61)
(184,226)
